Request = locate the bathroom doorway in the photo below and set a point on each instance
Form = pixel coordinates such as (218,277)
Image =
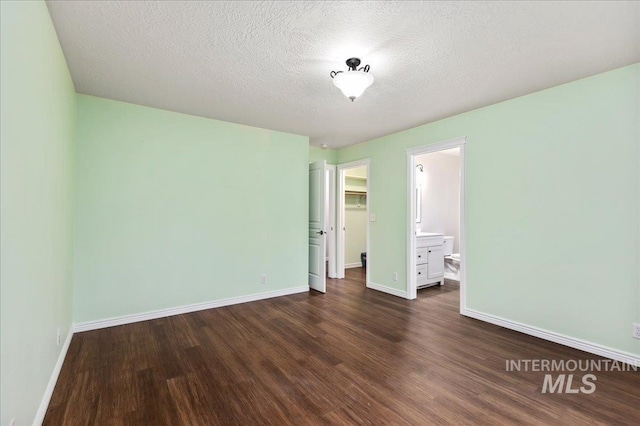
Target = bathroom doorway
(330,221)
(353,217)
(436,219)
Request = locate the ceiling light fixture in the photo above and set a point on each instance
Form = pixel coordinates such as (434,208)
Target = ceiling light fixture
(353,82)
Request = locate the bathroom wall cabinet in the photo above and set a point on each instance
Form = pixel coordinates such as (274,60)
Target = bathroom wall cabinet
(429,260)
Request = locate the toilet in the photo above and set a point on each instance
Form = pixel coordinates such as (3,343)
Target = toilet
(448,245)
(451,260)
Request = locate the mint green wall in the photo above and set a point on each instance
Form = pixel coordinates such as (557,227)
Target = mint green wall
(175,209)
(317,154)
(552,206)
(38,125)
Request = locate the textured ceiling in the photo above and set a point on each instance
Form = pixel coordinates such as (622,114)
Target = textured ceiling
(267,64)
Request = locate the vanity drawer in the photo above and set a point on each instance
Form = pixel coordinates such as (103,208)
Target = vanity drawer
(422,255)
(429,241)
(421,275)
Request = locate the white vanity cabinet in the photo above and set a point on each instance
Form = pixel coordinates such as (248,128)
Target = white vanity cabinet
(429,259)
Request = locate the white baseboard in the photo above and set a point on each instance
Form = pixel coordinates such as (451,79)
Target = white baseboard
(48,392)
(161,313)
(551,336)
(353,265)
(388,290)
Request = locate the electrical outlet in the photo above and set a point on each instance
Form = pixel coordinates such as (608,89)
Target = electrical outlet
(395,276)
(636,331)
(373,217)
(58,337)
(264,279)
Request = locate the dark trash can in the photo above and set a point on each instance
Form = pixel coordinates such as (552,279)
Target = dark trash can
(363,259)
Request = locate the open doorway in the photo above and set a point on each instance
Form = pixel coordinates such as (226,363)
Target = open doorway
(353,218)
(330,221)
(437,237)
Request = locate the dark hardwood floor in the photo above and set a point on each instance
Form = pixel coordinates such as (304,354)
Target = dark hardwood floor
(351,356)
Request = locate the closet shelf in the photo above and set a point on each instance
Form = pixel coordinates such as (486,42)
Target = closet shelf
(355,192)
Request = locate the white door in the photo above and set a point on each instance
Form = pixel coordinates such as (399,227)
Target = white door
(436,261)
(317,244)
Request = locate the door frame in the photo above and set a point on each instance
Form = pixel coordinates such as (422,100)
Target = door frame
(412,153)
(340,241)
(332,227)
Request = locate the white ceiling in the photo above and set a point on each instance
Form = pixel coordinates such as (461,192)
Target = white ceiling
(267,64)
